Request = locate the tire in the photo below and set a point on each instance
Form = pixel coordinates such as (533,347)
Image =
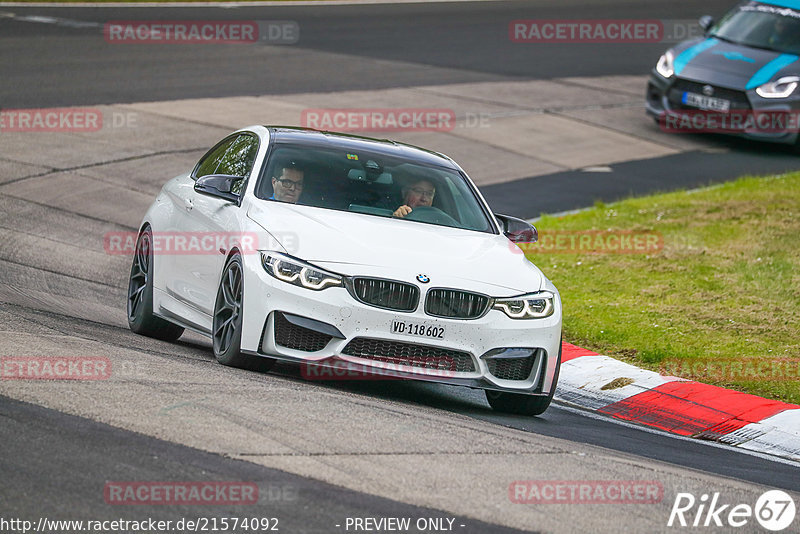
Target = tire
(521,403)
(140,294)
(226,331)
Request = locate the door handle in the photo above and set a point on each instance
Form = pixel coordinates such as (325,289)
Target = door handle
(187,203)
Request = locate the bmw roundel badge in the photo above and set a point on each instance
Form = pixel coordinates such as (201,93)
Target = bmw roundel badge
(423,278)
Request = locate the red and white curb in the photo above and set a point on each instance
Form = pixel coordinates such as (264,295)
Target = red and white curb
(678,406)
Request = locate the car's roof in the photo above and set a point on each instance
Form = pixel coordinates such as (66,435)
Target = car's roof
(310,137)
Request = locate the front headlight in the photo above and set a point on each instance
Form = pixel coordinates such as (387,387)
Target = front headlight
(782,88)
(297,272)
(533,306)
(666,65)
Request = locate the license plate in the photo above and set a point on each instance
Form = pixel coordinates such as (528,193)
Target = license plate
(410,328)
(708,103)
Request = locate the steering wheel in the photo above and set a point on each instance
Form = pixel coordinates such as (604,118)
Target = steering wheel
(430,214)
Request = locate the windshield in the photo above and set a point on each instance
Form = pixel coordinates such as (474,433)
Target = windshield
(373,184)
(761,26)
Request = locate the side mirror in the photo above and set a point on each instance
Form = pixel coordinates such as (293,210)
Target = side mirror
(517,230)
(706,21)
(218,185)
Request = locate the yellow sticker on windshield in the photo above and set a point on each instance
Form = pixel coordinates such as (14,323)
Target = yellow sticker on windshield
(352,156)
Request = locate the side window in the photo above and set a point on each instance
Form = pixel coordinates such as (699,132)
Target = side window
(239,159)
(210,162)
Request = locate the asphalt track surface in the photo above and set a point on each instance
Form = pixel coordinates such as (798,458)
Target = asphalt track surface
(89,453)
(571,190)
(52,463)
(340,48)
(61,62)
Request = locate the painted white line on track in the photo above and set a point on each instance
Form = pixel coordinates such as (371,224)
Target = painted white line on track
(597,168)
(67,23)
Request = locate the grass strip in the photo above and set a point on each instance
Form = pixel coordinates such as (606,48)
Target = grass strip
(717,299)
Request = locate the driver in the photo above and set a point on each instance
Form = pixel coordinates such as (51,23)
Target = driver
(417,194)
(784,34)
(289,185)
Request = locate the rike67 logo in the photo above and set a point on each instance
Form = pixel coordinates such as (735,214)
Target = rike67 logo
(774,510)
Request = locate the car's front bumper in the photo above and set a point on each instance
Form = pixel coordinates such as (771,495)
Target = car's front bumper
(462,357)
(663,102)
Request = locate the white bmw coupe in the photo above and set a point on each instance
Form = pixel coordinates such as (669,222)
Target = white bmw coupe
(332,250)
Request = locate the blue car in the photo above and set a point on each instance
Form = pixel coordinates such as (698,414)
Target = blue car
(741,78)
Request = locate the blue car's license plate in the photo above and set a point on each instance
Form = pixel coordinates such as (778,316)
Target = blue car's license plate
(707,103)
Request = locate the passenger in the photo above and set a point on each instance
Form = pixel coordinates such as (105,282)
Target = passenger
(418,193)
(289,186)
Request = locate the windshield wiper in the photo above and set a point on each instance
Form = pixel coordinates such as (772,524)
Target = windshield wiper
(749,45)
(716,36)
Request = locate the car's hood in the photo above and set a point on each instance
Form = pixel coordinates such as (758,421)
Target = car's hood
(730,65)
(358,244)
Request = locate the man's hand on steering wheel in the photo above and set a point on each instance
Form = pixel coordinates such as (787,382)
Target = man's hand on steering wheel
(402,211)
